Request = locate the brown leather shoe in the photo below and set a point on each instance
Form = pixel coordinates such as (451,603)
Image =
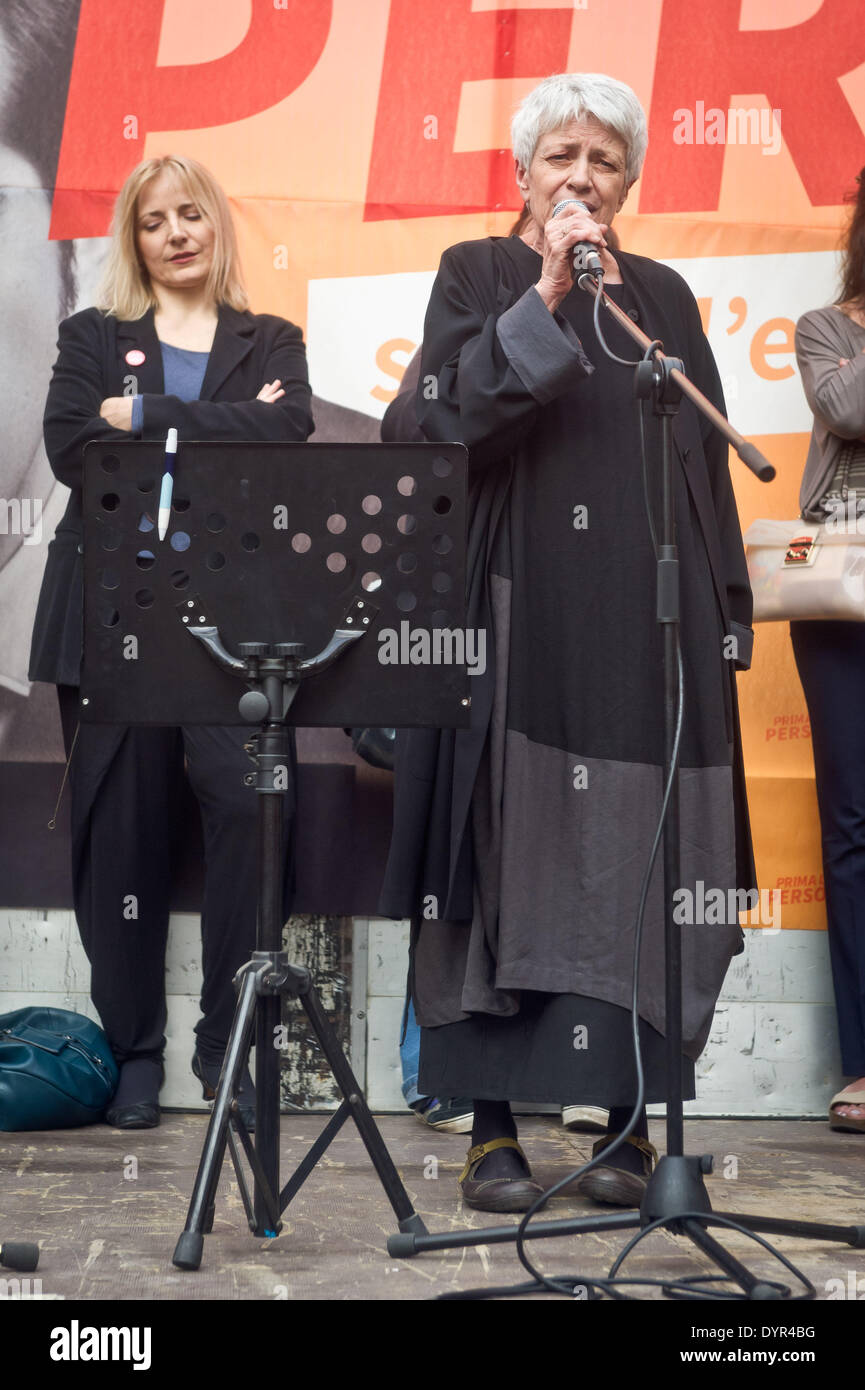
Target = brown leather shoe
(497,1194)
(616,1186)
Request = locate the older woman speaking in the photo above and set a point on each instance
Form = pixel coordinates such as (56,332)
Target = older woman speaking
(519,845)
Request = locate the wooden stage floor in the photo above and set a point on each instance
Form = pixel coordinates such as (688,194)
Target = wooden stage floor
(106,1208)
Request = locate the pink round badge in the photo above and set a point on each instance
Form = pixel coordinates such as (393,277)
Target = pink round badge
(135,357)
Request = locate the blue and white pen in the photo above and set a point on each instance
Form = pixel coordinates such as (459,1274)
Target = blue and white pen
(167,485)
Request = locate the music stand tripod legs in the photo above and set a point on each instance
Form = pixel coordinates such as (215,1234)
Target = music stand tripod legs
(266,978)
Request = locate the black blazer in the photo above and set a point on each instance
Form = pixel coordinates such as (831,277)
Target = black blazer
(248,350)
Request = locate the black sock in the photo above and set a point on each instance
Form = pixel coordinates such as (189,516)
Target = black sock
(627,1156)
(619,1116)
(140,1079)
(492,1120)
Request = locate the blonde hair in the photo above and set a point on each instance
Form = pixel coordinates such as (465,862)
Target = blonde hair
(126,291)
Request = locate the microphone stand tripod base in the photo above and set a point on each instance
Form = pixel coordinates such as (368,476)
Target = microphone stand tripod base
(676,1186)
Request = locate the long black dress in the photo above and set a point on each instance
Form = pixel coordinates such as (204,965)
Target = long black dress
(519,846)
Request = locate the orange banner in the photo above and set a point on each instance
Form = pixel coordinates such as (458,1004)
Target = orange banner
(359,138)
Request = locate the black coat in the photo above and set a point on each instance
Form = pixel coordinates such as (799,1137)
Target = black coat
(248,350)
(431,852)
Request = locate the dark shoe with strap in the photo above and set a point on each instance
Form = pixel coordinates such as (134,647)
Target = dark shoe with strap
(616,1186)
(497,1194)
(208,1072)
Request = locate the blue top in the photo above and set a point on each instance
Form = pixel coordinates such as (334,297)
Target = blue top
(183,371)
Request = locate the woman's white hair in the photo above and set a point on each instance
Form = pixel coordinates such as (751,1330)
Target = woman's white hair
(572,96)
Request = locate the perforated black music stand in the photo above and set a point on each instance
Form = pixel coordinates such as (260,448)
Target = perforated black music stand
(355,552)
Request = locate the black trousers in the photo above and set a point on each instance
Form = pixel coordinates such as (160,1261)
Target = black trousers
(125,792)
(831,662)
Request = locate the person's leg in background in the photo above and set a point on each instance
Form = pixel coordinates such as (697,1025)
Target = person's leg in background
(585,1119)
(452,1115)
(831,661)
(409,1053)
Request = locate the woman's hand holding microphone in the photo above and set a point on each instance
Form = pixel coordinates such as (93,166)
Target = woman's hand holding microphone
(573,225)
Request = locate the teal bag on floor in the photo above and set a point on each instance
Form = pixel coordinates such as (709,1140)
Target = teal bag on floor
(56,1070)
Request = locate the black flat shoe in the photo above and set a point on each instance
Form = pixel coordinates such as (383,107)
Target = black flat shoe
(208,1072)
(144,1115)
(135,1104)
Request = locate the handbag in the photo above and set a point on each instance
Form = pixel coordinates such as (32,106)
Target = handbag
(57,1070)
(813,570)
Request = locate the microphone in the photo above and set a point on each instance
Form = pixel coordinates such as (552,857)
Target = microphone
(586,256)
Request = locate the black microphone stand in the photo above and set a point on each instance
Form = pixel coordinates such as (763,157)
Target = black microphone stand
(676,1196)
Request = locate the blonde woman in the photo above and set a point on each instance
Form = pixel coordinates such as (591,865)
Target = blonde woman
(173,315)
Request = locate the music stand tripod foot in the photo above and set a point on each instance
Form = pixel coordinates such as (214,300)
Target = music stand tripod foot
(267,977)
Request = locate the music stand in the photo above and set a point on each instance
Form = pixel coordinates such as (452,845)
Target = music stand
(274,550)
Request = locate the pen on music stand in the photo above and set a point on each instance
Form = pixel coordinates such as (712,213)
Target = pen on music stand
(167,485)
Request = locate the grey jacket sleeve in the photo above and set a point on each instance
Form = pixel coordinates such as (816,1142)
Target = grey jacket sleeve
(835,394)
(541,347)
